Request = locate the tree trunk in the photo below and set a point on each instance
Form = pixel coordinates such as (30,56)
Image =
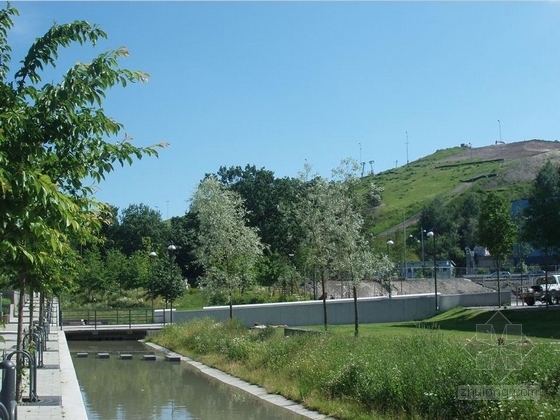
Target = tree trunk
(31,305)
(19,343)
(498,266)
(230,306)
(42,309)
(324,300)
(356,320)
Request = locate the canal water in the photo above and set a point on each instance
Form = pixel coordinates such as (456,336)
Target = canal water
(116,389)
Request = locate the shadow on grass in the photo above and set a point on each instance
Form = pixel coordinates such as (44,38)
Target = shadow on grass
(536,322)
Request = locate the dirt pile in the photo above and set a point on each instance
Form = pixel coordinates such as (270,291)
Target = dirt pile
(337,289)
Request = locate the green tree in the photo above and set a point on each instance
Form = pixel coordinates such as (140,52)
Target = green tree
(54,138)
(496,231)
(440,217)
(467,211)
(166,280)
(138,223)
(352,257)
(184,235)
(227,247)
(316,217)
(263,196)
(91,274)
(541,224)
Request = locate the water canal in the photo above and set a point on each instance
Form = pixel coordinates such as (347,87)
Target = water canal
(116,389)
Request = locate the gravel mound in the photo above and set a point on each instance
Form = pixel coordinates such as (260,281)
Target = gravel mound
(337,289)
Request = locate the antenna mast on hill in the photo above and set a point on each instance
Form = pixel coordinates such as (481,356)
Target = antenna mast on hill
(406,147)
(500,128)
(363,164)
(360,152)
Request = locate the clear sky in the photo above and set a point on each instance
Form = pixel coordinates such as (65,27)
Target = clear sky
(273,84)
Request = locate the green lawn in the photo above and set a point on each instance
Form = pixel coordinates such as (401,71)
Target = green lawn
(538,324)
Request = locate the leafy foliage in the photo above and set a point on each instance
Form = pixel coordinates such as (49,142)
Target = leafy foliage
(227,248)
(53,137)
(541,224)
(496,230)
(139,223)
(263,197)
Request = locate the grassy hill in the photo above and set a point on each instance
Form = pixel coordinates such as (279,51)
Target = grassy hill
(451,172)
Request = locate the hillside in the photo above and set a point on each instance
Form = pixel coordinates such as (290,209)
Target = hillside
(450,172)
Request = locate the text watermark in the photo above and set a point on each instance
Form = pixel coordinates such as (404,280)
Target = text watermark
(497,392)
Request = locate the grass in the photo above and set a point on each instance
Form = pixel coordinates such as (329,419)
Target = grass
(460,324)
(193,299)
(408,188)
(405,370)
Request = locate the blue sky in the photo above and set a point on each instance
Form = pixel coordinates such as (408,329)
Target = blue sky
(273,84)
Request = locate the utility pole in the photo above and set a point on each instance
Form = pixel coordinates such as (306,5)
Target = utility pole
(406,147)
(500,128)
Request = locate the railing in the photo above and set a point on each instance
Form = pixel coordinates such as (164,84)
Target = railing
(106,316)
(8,404)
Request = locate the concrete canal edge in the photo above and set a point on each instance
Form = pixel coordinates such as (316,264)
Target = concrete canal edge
(73,404)
(255,390)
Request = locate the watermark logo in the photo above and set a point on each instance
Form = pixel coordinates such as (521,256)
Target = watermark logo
(497,392)
(499,348)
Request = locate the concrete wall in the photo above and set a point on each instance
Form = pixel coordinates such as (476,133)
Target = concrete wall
(473,299)
(341,311)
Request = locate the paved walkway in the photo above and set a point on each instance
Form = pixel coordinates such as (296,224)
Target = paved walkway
(57,386)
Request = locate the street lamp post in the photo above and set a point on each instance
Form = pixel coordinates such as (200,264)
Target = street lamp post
(431,234)
(171,249)
(291,256)
(152,285)
(422,232)
(389,243)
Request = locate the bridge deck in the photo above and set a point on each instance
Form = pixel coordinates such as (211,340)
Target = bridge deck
(109,332)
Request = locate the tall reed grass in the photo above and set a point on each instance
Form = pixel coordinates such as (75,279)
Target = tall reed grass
(415,376)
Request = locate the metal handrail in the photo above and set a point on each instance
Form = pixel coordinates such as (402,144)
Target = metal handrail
(110,316)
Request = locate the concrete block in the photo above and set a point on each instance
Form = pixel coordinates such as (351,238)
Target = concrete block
(172,357)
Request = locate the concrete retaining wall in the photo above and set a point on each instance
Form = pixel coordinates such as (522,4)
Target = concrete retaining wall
(341,311)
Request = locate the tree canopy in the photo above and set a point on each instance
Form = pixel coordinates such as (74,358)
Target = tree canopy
(496,230)
(55,139)
(227,247)
(541,224)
